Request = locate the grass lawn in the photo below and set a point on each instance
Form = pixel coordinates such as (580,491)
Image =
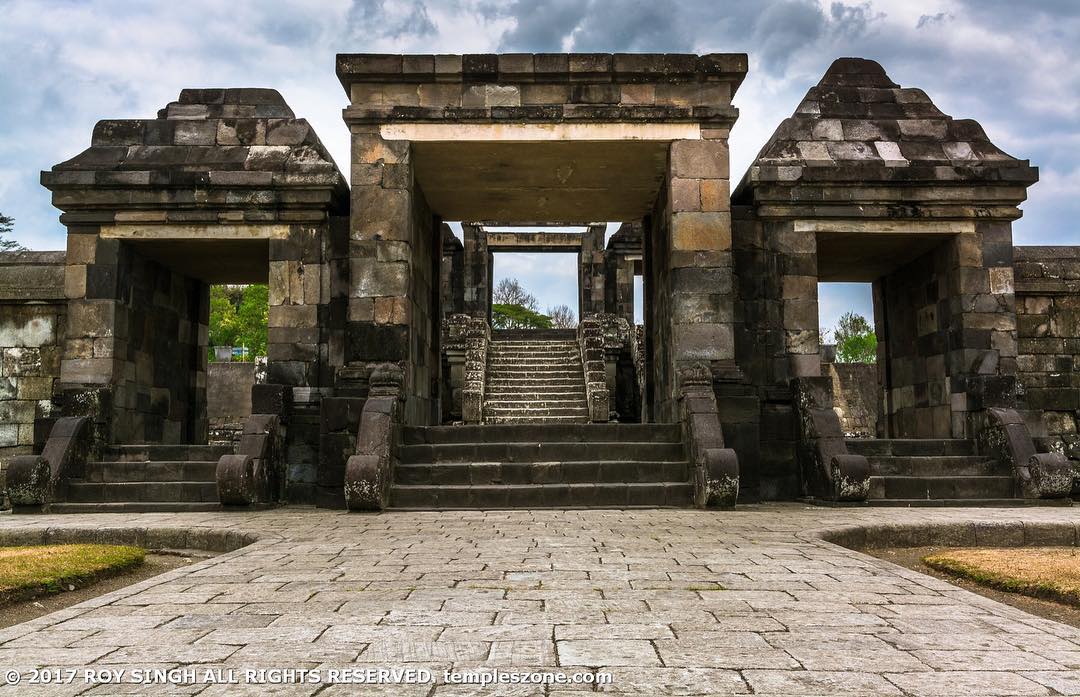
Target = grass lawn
(28,571)
(1043,572)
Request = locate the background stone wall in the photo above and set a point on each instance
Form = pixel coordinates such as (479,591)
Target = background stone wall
(228,397)
(32,319)
(950,347)
(856,395)
(1048,315)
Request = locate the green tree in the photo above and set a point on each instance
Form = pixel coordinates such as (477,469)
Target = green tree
(6,226)
(239,316)
(855,340)
(504,316)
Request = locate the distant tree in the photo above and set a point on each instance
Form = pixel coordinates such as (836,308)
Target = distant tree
(239,316)
(6,226)
(562,317)
(511,292)
(505,316)
(855,340)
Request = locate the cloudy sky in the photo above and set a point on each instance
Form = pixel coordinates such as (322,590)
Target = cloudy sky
(1009,64)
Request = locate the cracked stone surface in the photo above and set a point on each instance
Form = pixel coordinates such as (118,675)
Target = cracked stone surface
(671,602)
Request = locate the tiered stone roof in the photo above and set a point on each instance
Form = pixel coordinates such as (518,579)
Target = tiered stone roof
(212,155)
(859,126)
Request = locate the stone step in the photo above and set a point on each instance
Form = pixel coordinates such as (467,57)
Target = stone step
(533,335)
(553,366)
(536,419)
(527,385)
(534,351)
(544,402)
(165,453)
(135,507)
(910,446)
(934,466)
(80,491)
(581,433)
(534,358)
(985,503)
(485,473)
(541,495)
(517,395)
(539,350)
(528,412)
(151,471)
(976,487)
(537,371)
(495,451)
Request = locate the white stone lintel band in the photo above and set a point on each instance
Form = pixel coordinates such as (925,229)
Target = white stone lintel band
(195,232)
(539,132)
(915,227)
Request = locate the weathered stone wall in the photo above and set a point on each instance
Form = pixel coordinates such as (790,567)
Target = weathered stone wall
(948,339)
(228,397)
(856,396)
(139,330)
(591,271)
(452,273)
(1048,314)
(777,340)
(32,325)
(622,258)
(476,272)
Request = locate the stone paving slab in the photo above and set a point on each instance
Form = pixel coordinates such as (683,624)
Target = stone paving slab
(670,602)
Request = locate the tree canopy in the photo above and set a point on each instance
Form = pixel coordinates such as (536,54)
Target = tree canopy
(855,340)
(239,316)
(513,307)
(7,224)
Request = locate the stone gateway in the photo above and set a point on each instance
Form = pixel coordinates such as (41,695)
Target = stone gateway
(387,385)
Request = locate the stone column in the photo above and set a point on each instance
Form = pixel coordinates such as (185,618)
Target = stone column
(477,272)
(393,260)
(591,272)
(699,290)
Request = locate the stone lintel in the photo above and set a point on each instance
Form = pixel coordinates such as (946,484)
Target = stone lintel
(537,132)
(533,241)
(195,232)
(933,227)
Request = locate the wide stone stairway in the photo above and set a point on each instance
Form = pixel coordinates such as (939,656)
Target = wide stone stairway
(937,472)
(147,478)
(535,377)
(541,465)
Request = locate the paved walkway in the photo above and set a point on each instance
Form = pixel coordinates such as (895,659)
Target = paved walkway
(667,601)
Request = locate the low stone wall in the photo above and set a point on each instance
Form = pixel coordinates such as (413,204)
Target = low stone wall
(1048,332)
(32,321)
(228,398)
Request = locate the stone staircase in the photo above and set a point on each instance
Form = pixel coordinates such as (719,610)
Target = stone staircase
(541,465)
(535,379)
(936,472)
(147,478)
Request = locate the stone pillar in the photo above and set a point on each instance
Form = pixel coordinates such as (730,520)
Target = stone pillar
(591,271)
(394,258)
(477,272)
(694,272)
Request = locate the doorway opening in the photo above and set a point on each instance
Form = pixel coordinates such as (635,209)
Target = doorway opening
(849,355)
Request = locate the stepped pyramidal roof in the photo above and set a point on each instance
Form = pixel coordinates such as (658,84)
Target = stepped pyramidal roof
(857,125)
